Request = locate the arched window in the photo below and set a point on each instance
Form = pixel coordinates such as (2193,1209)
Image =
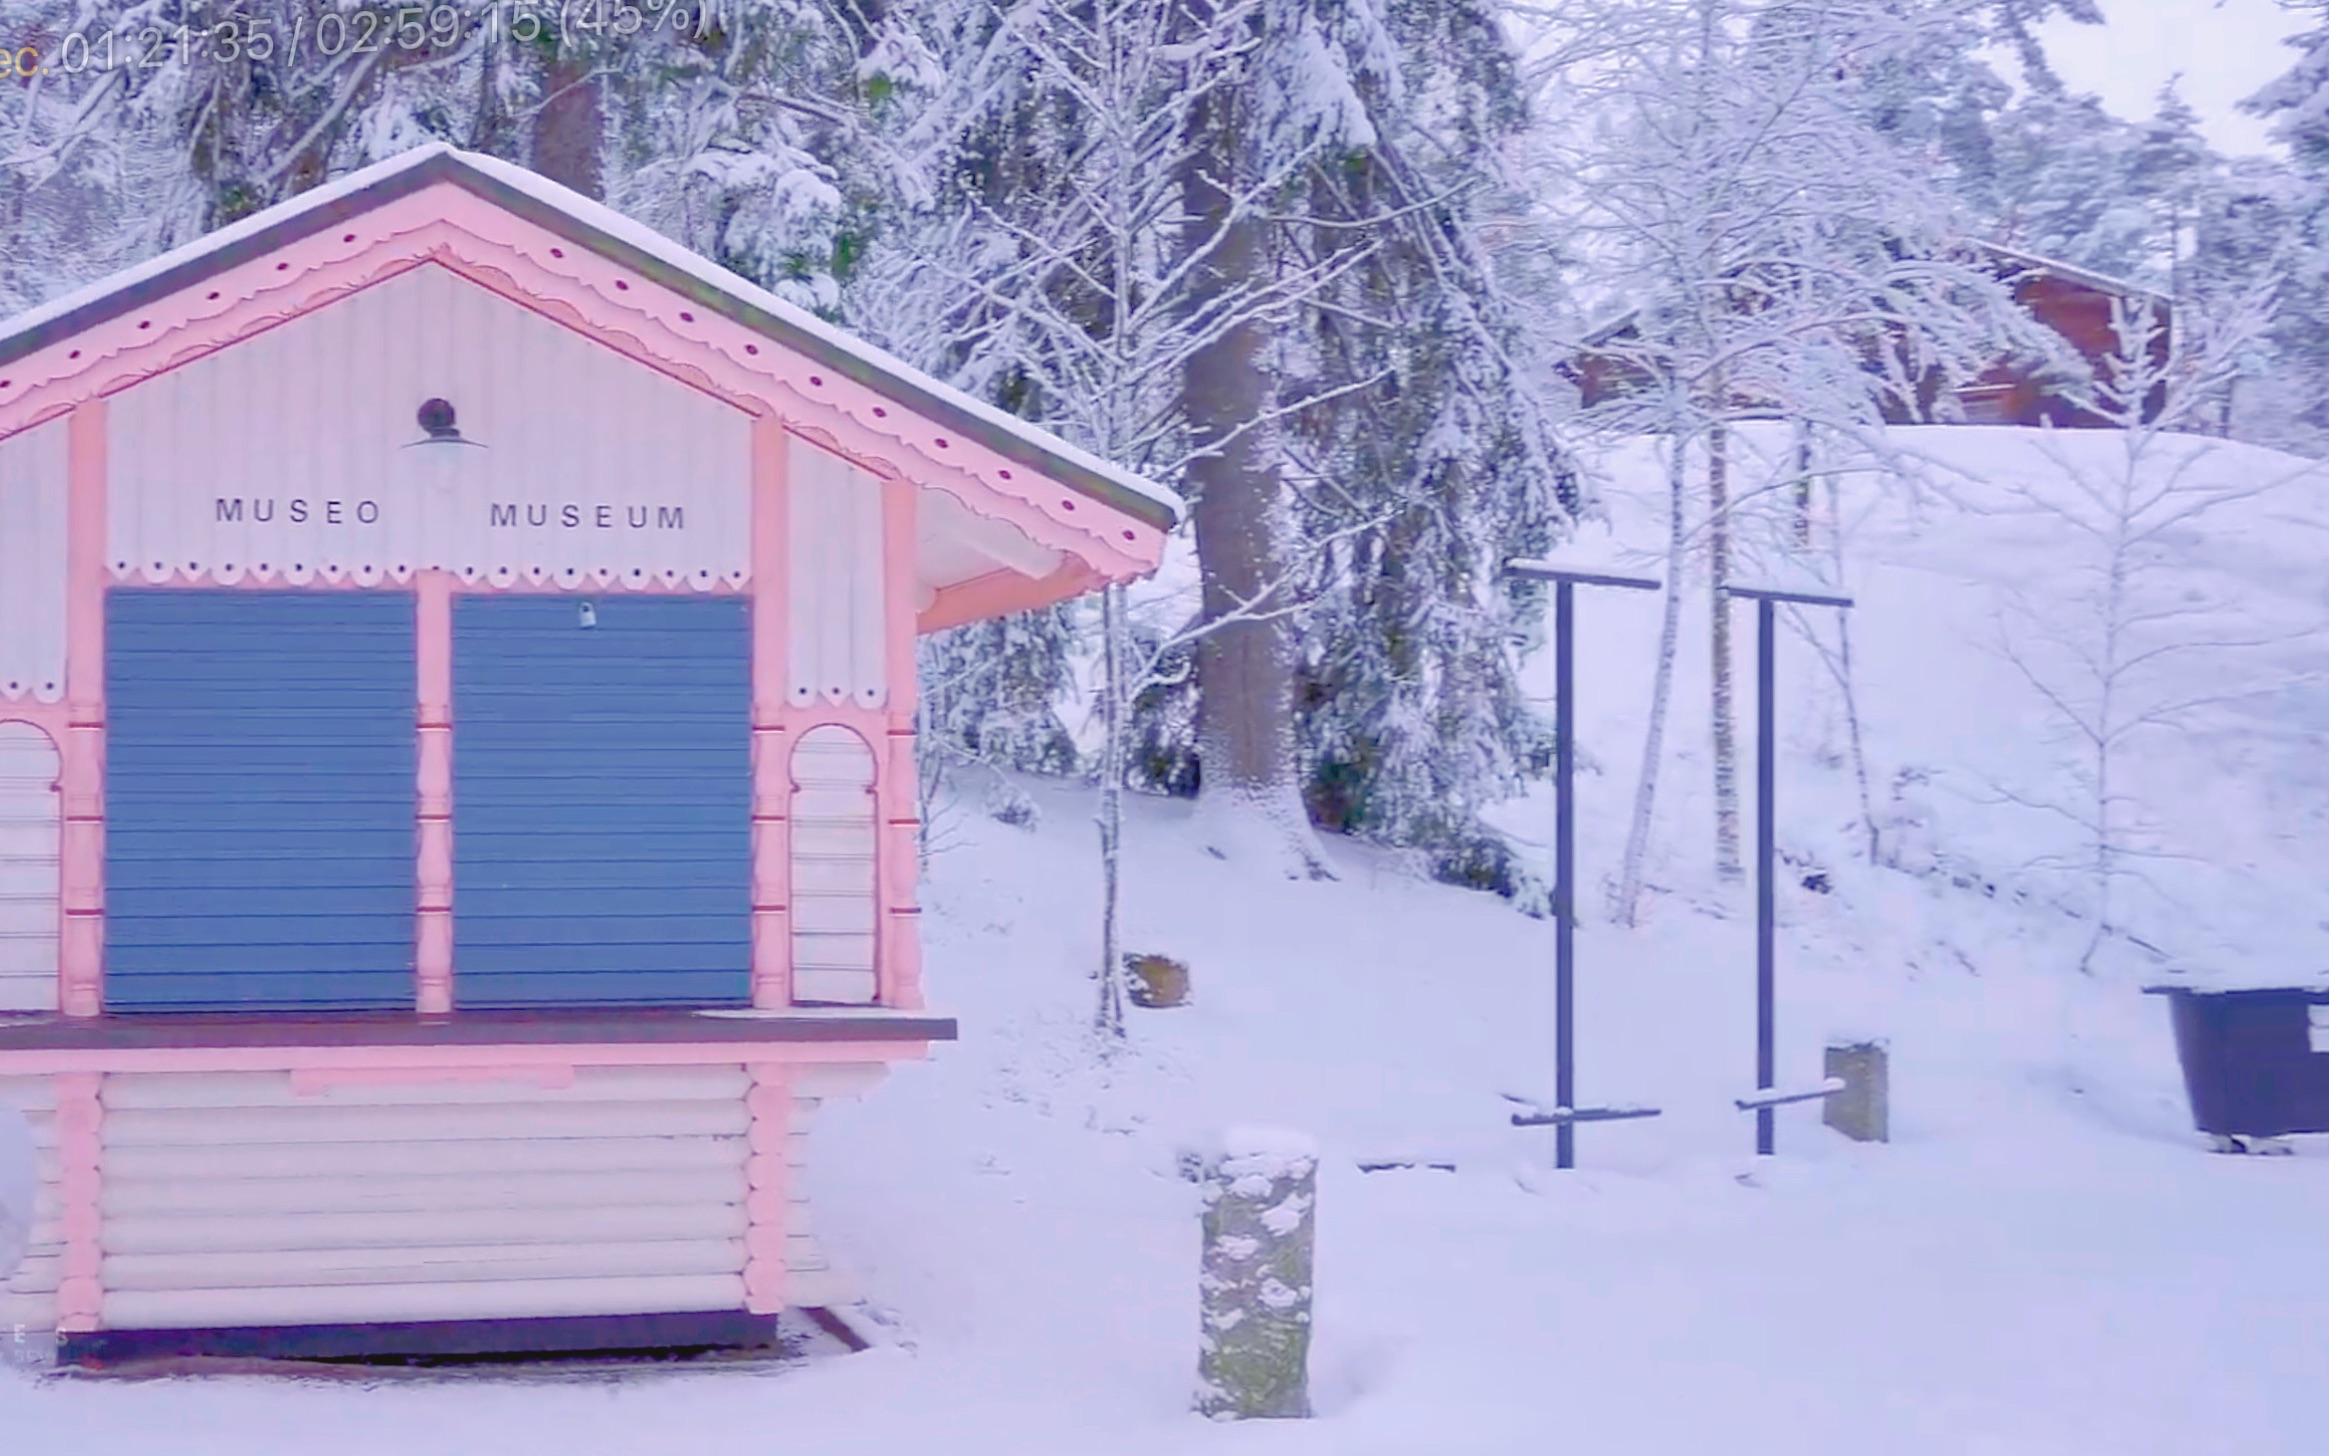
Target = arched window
(833,868)
(28,869)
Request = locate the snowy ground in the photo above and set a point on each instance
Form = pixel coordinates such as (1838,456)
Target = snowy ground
(2042,1263)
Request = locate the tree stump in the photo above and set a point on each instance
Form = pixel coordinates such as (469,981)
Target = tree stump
(1157,981)
(1261,1196)
(1862,1111)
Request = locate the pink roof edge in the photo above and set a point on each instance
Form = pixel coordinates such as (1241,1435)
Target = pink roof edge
(596,217)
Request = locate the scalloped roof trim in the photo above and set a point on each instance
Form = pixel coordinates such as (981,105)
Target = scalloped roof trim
(597,226)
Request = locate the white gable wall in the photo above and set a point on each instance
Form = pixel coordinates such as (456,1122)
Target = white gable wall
(595,468)
(32,564)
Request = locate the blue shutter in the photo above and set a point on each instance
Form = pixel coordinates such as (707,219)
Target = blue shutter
(602,813)
(259,768)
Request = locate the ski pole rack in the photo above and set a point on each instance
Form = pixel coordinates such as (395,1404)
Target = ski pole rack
(1536,1114)
(1771,1097)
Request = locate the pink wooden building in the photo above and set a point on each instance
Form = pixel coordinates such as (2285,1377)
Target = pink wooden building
(457,796)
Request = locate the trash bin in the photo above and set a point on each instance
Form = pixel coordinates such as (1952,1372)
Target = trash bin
(2255,1061)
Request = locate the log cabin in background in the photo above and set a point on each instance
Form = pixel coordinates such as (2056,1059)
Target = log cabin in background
(2075,303)
(457,803)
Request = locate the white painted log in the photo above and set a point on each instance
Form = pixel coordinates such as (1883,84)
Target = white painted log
(803,1251)
(45,1166)
(43,1126)
(366,1193)
(837,1079)
(29,836)
(834,914)
(452,1264)
(830,841)
(28,874)
(33,1311)
(839,805)
(33,988)
(47,1237)
(818,1288)
(355,1303)
(517,1227)
(239,1126)
(27,1093)
(611,1154)
(796,1148)
(274,1089)
(838,986)
(847,876)
(36,1275)
(832,952)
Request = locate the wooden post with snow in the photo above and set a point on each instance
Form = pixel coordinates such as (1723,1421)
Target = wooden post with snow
(1862,1110)
(1261,1198)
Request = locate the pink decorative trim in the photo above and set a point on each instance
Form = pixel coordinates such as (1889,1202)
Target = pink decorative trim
(870,724)
(651,587)
(80,1150)
(315,1081)
(433,828)
(437,1058)
(53,719)
(81,951)
(771,1104)
(252,581)
(771,779)
(897,797)
(595,295)
(1000,593)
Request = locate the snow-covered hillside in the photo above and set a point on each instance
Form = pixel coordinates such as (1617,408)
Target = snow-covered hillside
(1967,548)
(2043,1260)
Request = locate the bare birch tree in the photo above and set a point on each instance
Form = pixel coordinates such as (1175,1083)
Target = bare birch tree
(2123,647)
(1782,261)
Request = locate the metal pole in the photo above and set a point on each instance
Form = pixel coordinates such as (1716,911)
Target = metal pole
(1766,757)
(1566,1114)
(1564,869)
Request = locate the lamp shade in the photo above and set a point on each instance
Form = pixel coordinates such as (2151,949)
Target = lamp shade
(442,457)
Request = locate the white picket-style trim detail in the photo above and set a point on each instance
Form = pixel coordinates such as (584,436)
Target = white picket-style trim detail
(835,601)
(32,564)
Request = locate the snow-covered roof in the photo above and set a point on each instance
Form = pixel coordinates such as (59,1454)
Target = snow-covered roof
(2101,282)
(1617,324)
(593,225)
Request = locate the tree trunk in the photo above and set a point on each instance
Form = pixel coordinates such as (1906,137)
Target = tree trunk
(1803,464)
(1846,680)
(1726,747)
(569,130)
(1108,1019)
(1249,799)
(1637,838)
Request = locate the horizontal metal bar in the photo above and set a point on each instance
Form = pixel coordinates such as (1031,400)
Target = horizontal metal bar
(1560,1115)
(1776,594)
(1546,571)
(1769,1098)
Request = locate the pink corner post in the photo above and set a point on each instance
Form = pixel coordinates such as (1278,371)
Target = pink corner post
(433,836)
(82,770)
(898,794)
(771,759)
